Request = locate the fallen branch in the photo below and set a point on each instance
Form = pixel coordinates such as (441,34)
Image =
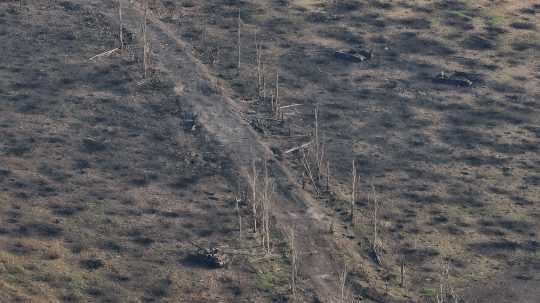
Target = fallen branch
(310,174)
(292,105)
(265,257)
(142,82)
(104,54)
(240,252)
(298,147)
(287,136)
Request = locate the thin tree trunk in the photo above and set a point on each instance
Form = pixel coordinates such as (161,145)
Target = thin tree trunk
(145,42)
(263,81)
(276,101)
(239,219)
(258,61)
(121,24)
(317,132)
(294,262)
(402,272)
(267,193)
(309,172)
(375,223)
(343,282)
(353,194)
(239,36)
(328,175)
(254,195)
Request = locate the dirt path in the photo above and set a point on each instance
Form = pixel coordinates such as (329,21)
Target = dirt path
(222,117)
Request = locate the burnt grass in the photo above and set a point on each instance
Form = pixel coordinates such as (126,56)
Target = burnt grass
(101,186)
(455,162)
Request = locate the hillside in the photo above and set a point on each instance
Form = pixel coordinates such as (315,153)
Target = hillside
(110,180)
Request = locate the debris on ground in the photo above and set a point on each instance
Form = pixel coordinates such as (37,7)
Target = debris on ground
(258,125)
(211,257)
(93,145)
(189,121)
(456,79)
(354,55)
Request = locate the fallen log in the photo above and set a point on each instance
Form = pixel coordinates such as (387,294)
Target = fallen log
(289,106)
(353,55)
(104,54)
(298,147)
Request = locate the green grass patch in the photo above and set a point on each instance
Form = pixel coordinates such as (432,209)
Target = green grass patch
(492,17)
(272,276)
(265,281)
(429,292)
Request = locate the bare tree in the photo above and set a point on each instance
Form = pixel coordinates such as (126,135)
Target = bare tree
(258,59)
(375,239)
(253,183)
(308,170)
(317,143)
(353,193)
(343,283)
(327,175)
(263,81)
(239,37)
(375,242)
(294,262)
(314,160)
(238,200)
(445,293)
(402,270)
(121,35)
(145,41)
(268,188)
(318,148)
(275,100)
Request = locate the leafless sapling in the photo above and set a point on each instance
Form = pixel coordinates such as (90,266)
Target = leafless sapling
(239,38)
(268,188)
(445,292)
(375,218)
(145,40)
(309,172)
(353,193)
(238,199)
(343,283)
(318,148)
(258,59)
(316,135)
(120,21)
(375,242)
(328,175)
(253,184)
(402,271)
(275,103)
(293,252)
